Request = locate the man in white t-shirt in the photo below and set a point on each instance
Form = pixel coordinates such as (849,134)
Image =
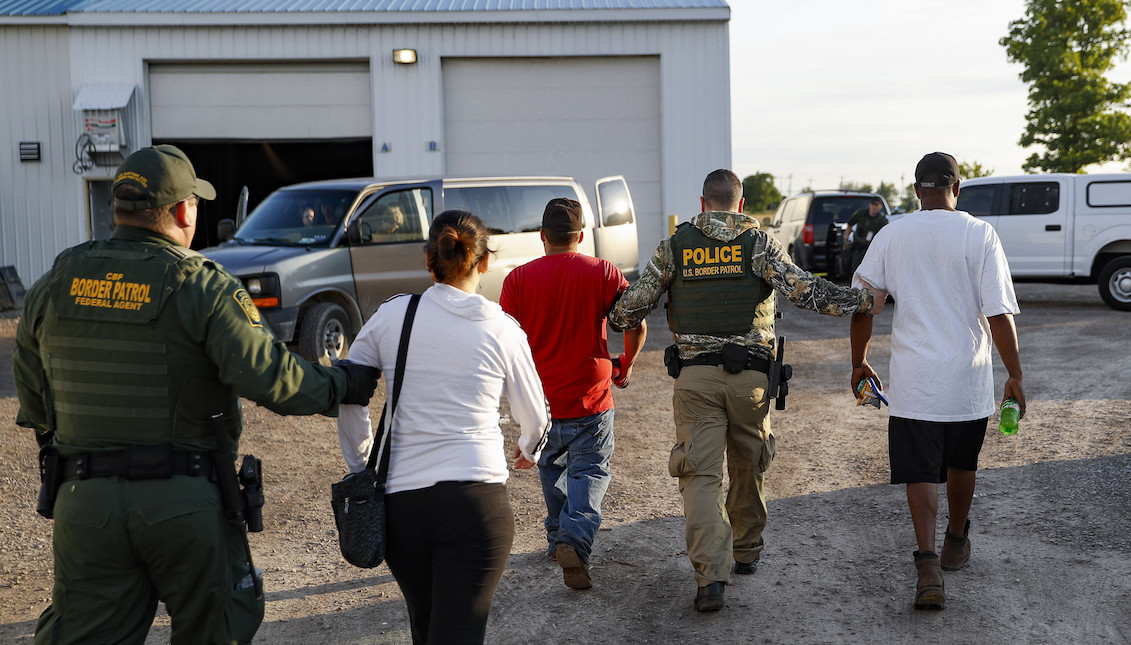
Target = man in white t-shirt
(953,293)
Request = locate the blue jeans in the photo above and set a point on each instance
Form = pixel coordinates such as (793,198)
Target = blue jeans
(574,468)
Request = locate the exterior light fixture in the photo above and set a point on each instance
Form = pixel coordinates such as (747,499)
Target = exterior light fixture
(404,56)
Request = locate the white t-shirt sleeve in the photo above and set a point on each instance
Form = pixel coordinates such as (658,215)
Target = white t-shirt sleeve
(997,294)
(873,268)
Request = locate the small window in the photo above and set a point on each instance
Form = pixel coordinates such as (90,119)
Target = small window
(616,208)
(1034,198)
(488,203)
(529,202)
(1109,193)
(977,200)
(399,216)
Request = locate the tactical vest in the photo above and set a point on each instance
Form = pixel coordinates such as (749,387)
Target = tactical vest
(714,290)
(120,365)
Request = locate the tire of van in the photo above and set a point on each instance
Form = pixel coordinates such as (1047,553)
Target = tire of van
(1115,283)
(325,334)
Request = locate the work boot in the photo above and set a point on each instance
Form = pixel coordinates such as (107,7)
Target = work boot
(746,568)
(710,598)
(575,572)
(929,591)
(955,549)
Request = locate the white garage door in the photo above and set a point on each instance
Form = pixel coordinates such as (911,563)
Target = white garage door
(261,101)
(583,117)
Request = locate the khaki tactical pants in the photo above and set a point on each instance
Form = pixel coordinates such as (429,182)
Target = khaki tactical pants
(716,412)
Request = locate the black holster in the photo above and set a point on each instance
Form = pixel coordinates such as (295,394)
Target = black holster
(251,485)
(671,359)
(49,480)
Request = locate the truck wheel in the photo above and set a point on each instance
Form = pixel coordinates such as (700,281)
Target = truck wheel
(1115,283)
(325,334)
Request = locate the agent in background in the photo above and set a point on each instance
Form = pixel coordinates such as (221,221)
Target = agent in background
(450,523)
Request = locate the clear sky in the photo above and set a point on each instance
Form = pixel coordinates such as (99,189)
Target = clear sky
(832,90)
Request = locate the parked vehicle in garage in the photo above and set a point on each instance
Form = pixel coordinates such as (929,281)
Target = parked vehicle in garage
(1060,227)
(319,257)
(802,222)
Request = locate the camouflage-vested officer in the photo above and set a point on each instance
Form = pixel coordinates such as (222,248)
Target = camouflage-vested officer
(864,224)
(125,351)
(721,272)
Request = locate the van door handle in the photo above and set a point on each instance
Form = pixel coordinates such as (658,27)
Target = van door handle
(1052,227)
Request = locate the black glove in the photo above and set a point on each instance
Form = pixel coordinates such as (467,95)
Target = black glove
(361,381)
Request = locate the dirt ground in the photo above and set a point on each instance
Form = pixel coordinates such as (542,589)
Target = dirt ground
(1051,527)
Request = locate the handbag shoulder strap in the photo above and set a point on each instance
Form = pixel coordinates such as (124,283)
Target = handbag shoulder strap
(398,377)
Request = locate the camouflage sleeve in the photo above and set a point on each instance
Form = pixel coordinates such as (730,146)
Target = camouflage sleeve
(248,356)
(805,289)
(641,298)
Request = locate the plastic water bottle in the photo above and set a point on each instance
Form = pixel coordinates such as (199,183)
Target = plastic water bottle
(1010,415)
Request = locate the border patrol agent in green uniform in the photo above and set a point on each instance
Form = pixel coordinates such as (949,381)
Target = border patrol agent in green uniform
(720,273)
(864,224)
(126,350)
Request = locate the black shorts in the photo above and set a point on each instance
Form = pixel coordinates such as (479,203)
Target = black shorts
(921,451)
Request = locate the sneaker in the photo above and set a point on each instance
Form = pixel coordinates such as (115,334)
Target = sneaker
(929,592)
(575,572)
(710,598)
(745,568)
(955,549)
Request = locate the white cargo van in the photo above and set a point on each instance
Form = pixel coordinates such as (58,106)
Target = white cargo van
(1060,227)
(319,257)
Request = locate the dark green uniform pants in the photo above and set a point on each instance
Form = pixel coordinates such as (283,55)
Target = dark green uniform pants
(120,546)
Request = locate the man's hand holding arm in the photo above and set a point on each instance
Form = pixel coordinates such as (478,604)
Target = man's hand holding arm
(1004,333)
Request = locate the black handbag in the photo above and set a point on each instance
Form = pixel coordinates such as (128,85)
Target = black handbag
(359,499)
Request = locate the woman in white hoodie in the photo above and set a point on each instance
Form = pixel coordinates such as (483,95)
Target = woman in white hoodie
(450,524)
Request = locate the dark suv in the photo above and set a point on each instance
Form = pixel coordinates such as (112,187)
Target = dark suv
(802,223)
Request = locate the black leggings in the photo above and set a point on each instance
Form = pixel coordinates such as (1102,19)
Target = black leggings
(448,546)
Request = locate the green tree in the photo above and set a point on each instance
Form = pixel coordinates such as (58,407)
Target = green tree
(1066,48)
(910,201)
(889,192)
(853,186)
(760,193)
(971,169)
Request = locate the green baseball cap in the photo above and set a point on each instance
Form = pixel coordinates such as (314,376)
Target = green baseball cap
(164,174)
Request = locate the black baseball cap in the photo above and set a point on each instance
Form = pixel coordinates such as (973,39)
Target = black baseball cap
(166,176)
(936,170)
(563,215)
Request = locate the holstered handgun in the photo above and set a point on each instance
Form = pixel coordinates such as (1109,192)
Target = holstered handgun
(251,482)
(49,480)
(779,376)
(671,359)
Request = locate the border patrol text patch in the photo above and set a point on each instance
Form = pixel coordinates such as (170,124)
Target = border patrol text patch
(700,263)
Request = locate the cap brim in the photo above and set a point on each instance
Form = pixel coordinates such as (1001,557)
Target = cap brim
(204,189)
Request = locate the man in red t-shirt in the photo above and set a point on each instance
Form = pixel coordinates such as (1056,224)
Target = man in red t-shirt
(561,301)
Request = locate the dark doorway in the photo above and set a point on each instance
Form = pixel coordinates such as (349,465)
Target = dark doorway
(263,166)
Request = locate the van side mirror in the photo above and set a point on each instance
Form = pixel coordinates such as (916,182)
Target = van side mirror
(225,229)
(766,222)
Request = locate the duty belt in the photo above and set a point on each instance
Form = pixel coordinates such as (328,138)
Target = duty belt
(716,358)
(138,462)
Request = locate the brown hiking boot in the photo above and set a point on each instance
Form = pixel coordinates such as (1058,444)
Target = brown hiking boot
(955,549)
(929,591)
(575,572)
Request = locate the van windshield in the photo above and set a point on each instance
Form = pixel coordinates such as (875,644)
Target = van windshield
(296,218)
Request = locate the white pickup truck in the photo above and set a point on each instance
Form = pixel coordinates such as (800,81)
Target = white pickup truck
(1060,227)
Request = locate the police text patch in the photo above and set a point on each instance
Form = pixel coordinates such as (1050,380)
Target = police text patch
(249,308)
(699,263)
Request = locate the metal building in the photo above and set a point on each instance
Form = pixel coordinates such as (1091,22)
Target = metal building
(268,92)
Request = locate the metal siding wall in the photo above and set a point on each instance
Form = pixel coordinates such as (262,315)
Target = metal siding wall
(37,216)
(407,100)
